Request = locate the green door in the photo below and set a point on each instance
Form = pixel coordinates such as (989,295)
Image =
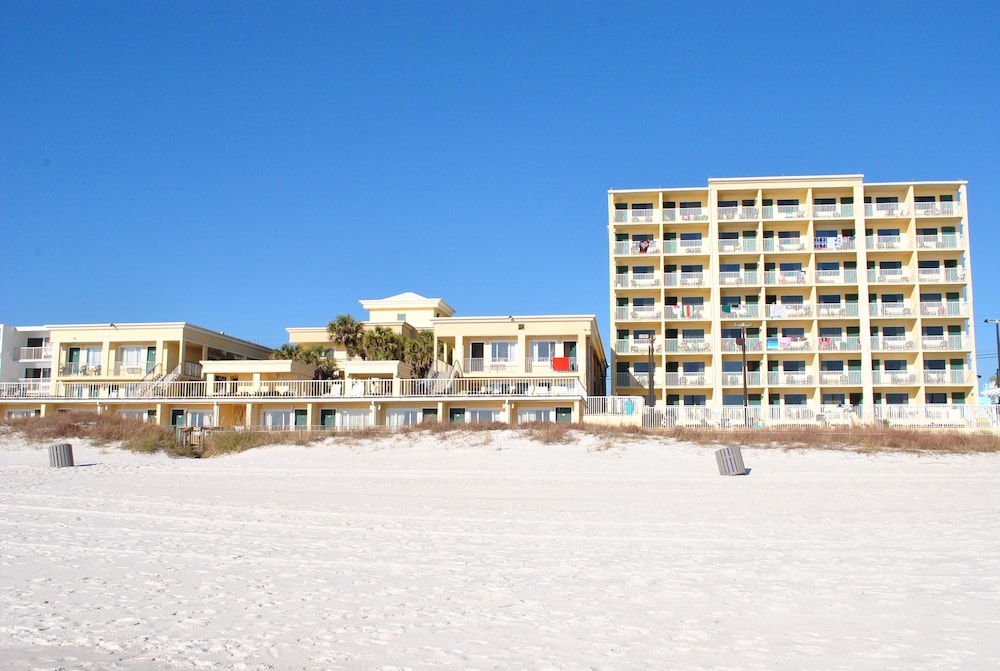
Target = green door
(327,418)
(456,415)
(564,415)
(301,419)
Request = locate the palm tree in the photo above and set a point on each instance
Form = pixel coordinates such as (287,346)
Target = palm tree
(321,358)
(382,344)
(346,331)
(419,353)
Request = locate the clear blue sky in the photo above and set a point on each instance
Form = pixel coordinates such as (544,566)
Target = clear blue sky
(248,166)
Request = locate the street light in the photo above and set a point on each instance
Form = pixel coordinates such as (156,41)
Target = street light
(742,342)
(996,324)
(650,393)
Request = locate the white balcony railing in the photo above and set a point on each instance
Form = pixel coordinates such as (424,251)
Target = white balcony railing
(692,279)
(742,311)
(953,376)
(736,379)
(942,342)
(738,278)
(895,377)
(835,244)
(892,343)
(794,379)
(42,353)
(774,277)
(842,344)
(687,312)
(637,346)
(840,377)
(789,311)
(942,241)
(940,275)
(733,345)
(888,242)
(798,244)
(833,211)
(700,379)
(946,209)
(901,309)
(885,210)
(692,246)
(637,280)
(837,310)
(693,345)
(738,246)
(789,344)
(944,309)
(638,313)
(743,213)
(889,276)
(845,276)
(783,212)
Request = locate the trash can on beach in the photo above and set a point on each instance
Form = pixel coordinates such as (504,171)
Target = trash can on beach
(61,455)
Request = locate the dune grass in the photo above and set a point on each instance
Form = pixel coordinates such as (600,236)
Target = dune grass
(139,436)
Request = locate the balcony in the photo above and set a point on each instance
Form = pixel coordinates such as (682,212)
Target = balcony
(944,309)
(43,353)
(885,210)
(637,280)
(744,213)
(26,388)
(736,379)
(799,244)
(783,212)
(687,312)
(895,377)
(837,310)
(700,379)
(892,344)
(946,209)
(894,310)
(848,344)
(888,276)
(688,345)
(733,345)
(639,313)
(941,377)
(833,211)
(791,379)
(626,380)
(489,365)
(940,275)
(635,216)
(836,244)
(941,342)
(693,246)
(840,378)
(845,276)
(637,346)
(789,311)
(785,277)
(632,248)
(743,311)
(942,241)
(738,278)
(738,246)
(79,369)
(691,279)
(689,214)
(888,242)
(787,344)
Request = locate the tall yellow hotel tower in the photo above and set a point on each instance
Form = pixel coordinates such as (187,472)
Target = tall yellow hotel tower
(841,292)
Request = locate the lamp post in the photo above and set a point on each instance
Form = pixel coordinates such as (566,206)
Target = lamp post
(996,325)
(742,342)
(650,393)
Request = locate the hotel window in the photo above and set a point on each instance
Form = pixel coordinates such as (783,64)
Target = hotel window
(544,350)
(503,351)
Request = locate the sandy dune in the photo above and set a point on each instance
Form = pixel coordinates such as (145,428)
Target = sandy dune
(491,552)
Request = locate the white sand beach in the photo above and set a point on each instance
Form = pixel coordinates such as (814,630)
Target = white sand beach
(492,552)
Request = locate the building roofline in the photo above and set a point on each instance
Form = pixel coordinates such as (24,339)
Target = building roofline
(132,325)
